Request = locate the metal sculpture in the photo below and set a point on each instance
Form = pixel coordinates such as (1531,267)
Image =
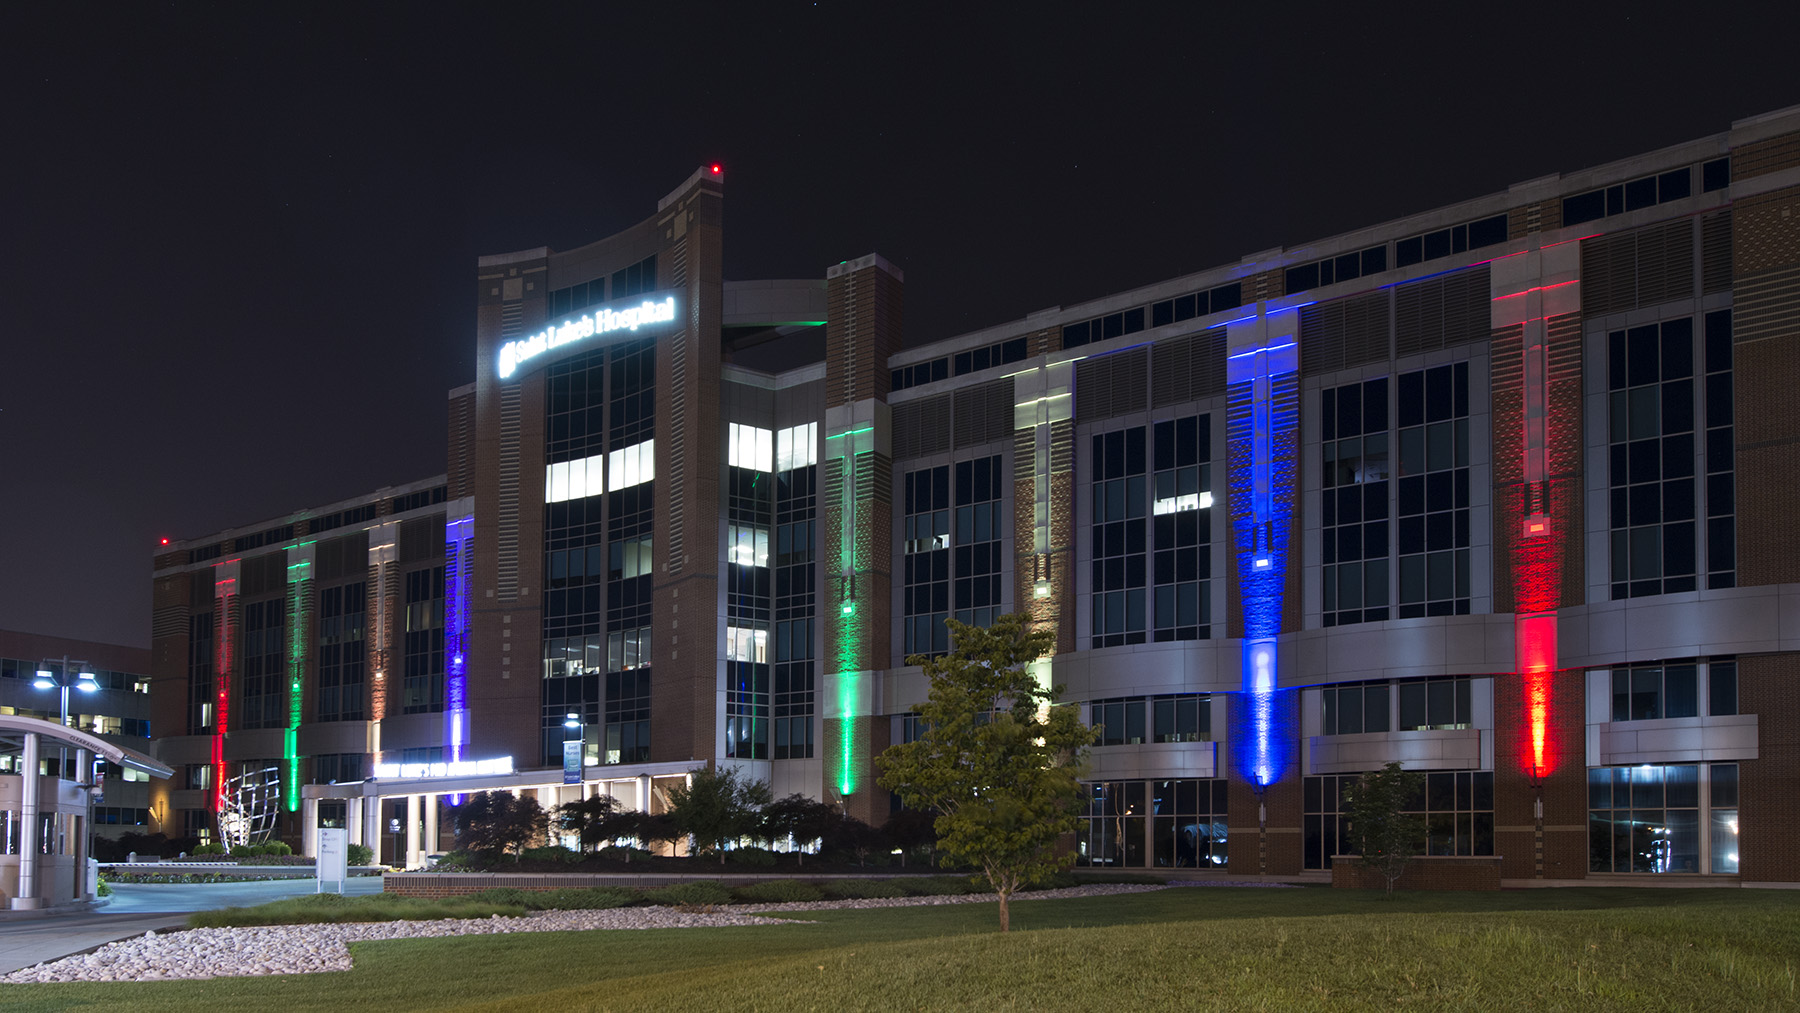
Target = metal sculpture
(252,802)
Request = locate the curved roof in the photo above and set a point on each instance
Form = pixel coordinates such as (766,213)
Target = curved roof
(82,740)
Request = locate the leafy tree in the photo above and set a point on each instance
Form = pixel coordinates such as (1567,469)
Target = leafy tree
(1388,836)
(649,829)
(596,820)
(716,807)
(499,822)
(912,831)
(998,761)
(804,819)
(849,834)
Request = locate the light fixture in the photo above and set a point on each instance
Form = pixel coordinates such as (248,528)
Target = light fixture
(849,607)
(572,721)
(1041,590)
(86,682)
(44,680)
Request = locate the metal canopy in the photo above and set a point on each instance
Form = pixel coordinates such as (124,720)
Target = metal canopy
(130,758)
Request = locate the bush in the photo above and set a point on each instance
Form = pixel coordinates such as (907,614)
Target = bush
(359,854)
(210,848)
(862,889)
(279,848)
(779,891)
(942,886)
(551,853)
(576,898)
(696,894)
(241,851)
(622,853)
(751,856)
(104,889)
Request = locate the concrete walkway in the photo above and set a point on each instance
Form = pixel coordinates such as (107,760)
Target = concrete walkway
(137,908)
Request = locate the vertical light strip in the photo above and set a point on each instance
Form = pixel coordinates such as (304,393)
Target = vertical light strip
(459,533)
(851,621)
(225,589)
(1262,429)
(299,602)
(1527,289)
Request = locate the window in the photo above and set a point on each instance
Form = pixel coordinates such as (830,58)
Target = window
(1121,722)
(1444,242)
(200,673)
(1648,692)
(1648,818)
(795,593)
(1721,455)
(1644,192)
(340,653)
(1433,513)
(260,705)
(1356,708)
(1721,687)
(977,559)
(927,566)
(1354,499)
(750,447)
(1650,371)
(978,359)
(422,689)
(1458,807)
(633,465)
(1182,529)
(1331,270)
(1117,538)
(797,447)
(1435,705)
(1170,824)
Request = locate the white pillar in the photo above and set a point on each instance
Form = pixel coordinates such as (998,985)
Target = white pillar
(309,827)
(431,824)
(371,825)
(353,820)
(29,843)
(411,859)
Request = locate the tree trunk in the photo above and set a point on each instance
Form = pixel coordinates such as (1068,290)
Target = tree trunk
(1005,916)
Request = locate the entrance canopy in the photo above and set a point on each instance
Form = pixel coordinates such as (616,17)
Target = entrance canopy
(12,726)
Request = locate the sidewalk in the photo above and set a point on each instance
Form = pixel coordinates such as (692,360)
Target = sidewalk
(137,908)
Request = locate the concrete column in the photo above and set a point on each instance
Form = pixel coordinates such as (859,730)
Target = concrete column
(371,825)
(29,843)
(353,820)
(411,859)
(309,827)
(431,824)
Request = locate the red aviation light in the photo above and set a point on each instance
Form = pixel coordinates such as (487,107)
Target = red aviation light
(716,168)
(165,541)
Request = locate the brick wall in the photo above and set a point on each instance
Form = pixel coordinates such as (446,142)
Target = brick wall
(1769,786)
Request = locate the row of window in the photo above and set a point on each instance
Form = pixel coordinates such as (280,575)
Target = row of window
(1647,191)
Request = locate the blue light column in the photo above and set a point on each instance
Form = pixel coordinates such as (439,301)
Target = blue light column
(459,531)
(1263,429)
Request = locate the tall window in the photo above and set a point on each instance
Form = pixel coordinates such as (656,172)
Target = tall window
(1170,824)
(1658,819)
(341,655)
(1355,503)
(749,585)
(1433,406)
(260,704)
(1117,539)
(927,567)
(1650,379)
(422,688)
(575,548)
(795,591)
(200,673)
(978,562)
(1182,508)
(1721,455)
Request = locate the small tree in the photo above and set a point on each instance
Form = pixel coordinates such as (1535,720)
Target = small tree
(598,819)
(796,816)
(998,761)
(499,822)
(1388,836)
(716,807)
(849,835)
(912,831)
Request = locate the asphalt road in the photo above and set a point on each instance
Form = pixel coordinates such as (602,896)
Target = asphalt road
(137,908)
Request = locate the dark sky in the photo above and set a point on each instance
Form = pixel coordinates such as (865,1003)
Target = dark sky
(238,245)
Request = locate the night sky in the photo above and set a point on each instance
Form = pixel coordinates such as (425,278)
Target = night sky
(239,245)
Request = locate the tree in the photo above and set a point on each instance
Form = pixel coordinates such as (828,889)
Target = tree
(716,807)
(499,821)
(998,760)
(1388,836)
(912,831)
(796,816)
(847,834)
(596,819)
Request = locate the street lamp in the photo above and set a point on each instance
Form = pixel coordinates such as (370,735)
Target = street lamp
(574,742)
(59,679)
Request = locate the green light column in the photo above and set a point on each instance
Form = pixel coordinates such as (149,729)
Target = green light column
(299,609)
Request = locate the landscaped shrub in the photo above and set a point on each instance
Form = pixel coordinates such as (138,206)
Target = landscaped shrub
(241,851)
(623,853)
(210,848)
(940,886)
(359,854)
(700,893)
(862,889)
(578,898)
(779,891)
(751,856)
(553,853)
(277,848)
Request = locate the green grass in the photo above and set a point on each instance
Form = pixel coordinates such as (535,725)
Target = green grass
(1577,949)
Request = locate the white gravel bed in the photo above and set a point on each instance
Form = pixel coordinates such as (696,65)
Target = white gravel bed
(312,949)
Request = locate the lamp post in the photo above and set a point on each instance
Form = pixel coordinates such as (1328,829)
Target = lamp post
(574,741)
(59,679)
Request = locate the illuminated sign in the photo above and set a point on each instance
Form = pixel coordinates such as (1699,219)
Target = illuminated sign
(460,768)
(588,325)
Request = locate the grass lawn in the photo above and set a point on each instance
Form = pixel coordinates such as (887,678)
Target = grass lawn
(1576,949)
